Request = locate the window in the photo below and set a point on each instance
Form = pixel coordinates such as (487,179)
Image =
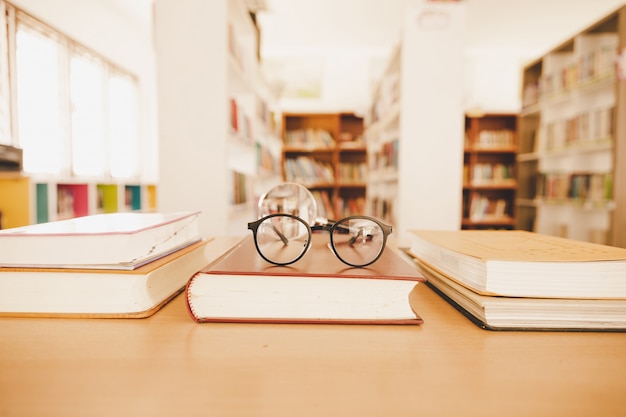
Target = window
(76,113)
(39,115)
(123,127)
(88,115)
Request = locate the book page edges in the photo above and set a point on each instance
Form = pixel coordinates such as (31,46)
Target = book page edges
(129,315)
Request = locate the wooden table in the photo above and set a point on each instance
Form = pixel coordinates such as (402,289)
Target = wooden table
(168,365)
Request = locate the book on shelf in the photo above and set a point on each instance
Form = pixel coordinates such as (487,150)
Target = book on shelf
(242,287)
(110,241)
(494,139)
(308,170)
(528,313)
(309,138)
(324,205)
(106,293)
(516,263)
(483,208)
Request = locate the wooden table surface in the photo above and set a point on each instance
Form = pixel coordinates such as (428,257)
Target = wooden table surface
(168,365)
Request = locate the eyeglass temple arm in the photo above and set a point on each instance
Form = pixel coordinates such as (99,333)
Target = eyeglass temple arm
(280,235)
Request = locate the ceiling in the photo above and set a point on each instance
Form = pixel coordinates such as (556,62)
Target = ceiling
(288,25)
(535,25)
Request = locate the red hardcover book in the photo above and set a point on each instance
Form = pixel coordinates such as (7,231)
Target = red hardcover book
(319,288)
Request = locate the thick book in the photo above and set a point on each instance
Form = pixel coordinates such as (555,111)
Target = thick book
(111,241)
(85,293)
(319,288)
(525,313)
(516,263)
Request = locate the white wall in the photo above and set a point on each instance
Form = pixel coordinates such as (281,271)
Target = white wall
(491,79)
(347,75)
(118,35)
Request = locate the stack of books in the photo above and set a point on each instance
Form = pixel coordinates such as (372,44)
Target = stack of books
(105,265)
(518,280)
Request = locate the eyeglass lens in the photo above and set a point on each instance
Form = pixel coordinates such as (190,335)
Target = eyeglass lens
(282,239)
(358,241)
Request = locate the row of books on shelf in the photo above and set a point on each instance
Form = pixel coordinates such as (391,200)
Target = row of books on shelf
(72,199)
(307,170)
(349,206)
(382,208)
(386,156)
(489,174)
(338,207)
(240,123)
(352,172)
(593,188)
(589,65)
(492,139)
(484,208)
(240,189)
(589,127)
(310,138)
(518,280)
(267,162)
(578,69)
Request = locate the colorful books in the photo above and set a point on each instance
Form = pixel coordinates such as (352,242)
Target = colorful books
(518,280)
(84,293)
(242,287)
(110,241)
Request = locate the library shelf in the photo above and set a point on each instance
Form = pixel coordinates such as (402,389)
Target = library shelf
(34,199)
(572,137)
(489,162)
(325,153)
(15,200)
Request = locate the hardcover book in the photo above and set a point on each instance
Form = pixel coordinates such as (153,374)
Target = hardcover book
(85,293)
(526,313)
(110,241)
(516,263)
(242,287)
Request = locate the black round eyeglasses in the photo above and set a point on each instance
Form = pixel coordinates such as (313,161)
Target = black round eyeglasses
(283,239)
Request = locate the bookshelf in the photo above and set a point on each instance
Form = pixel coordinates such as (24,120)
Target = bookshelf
(15,200)
(26,200)
(325,153)
(572,137)
(414,125)
(489,179)
(219,142)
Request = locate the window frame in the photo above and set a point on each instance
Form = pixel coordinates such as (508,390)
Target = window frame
(14,17)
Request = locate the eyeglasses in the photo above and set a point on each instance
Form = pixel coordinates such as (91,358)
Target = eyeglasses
(282,239)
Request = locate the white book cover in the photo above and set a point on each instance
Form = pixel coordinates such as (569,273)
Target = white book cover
(109,241)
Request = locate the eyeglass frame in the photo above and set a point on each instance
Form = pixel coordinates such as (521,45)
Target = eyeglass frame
(320,224)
